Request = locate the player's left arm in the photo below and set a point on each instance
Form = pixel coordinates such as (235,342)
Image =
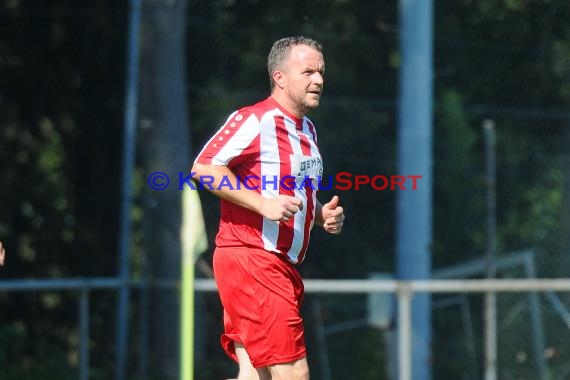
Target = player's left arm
(330,215)
(2,253)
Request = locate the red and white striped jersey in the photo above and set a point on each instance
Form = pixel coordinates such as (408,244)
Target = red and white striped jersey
(268,149)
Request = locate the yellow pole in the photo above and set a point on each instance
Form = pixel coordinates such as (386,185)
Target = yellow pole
(194,242)
(187,325)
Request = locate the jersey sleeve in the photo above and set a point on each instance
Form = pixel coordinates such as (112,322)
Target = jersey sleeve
(232,140)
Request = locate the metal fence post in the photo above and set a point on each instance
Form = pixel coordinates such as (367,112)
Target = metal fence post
(130,122)
(84,333)
(404,331)
(490,297)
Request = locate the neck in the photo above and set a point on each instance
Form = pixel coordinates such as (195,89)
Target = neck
(287,105)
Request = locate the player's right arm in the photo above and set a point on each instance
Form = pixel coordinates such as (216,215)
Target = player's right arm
(280,208)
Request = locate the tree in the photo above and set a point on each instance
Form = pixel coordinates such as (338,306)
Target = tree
(61,94)
(165,147)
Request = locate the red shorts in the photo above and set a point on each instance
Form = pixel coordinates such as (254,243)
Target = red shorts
(261,294)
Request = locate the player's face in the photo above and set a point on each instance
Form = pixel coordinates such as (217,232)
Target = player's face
(304,77)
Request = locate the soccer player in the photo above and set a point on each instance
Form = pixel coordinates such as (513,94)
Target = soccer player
(2,253)
(264,164)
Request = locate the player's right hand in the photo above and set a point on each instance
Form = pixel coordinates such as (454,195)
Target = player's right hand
(281,208)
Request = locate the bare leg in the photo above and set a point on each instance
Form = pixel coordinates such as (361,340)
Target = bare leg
(297,370)
(246,369)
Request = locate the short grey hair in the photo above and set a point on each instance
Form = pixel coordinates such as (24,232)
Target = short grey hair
(280,52)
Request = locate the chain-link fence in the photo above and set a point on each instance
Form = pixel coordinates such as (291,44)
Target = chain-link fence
(504,63)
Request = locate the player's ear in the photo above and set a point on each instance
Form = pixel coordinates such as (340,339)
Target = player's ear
(279,78)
